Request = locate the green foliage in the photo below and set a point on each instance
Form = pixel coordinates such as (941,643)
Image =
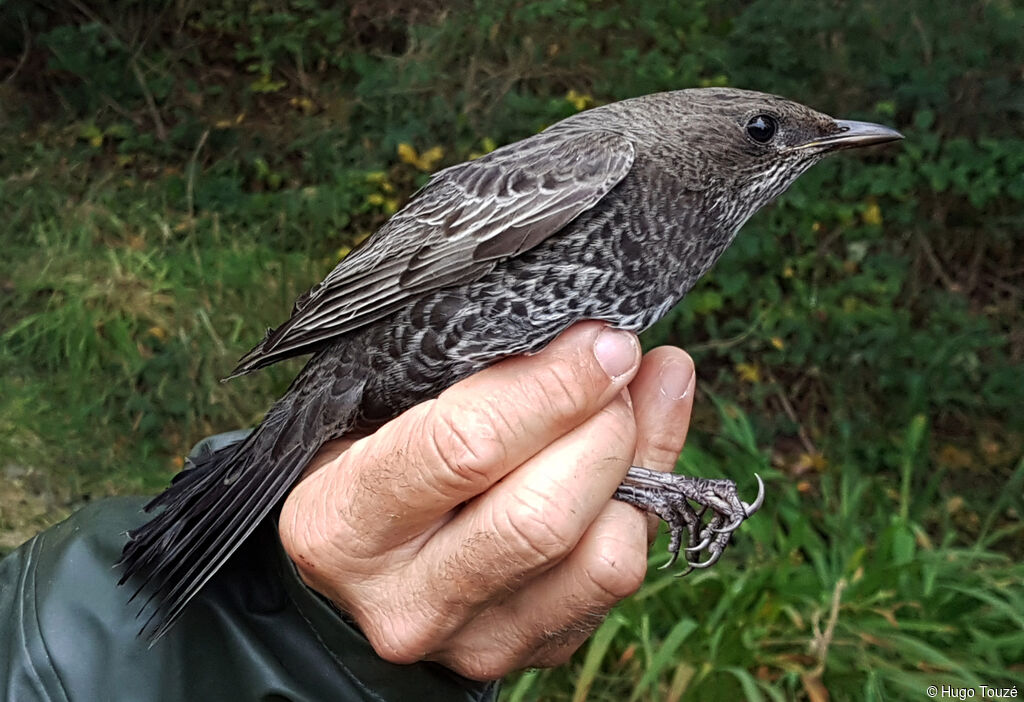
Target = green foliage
(843,587)
(173,174)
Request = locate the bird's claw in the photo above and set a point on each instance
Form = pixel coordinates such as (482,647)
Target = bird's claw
(668,496)
(699,547)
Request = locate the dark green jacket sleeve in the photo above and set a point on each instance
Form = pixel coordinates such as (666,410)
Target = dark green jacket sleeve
(256,632)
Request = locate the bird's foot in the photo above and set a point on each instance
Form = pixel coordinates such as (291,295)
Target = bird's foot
(669,495)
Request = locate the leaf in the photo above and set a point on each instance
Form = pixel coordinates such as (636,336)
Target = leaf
(264,84)
(523,685)
(750,688)
(682,629)
(680,682)
(814,688)
(596,651)
(904,544)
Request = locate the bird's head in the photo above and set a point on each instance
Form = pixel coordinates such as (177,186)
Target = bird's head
(763,141)
(747,147)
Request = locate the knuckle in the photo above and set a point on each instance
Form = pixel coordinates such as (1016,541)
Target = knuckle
(618,427)
(480,666)
(399,639)
(537,528)
(491,646)
(467,443)
(559,390)
(616,570)
(304,539)
(661,449)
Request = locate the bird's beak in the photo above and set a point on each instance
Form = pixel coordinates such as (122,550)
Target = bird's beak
(851,135)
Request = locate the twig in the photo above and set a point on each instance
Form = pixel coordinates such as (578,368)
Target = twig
(974,269)
(823,640)
(732,341)
(158,123)
(116,107)
(24,53)
(191,168)
(926,45)
(300,72)
(787,407)
(1000,284)
(936,265)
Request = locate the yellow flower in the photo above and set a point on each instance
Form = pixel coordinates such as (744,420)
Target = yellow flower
(430,158)
(93,135)
(425,162)
(580,101)
(303,105)
(872,215)
(407,154)
(813,461)
(749,372)
(230,122)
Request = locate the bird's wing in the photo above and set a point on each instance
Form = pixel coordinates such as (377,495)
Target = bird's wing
(453,231)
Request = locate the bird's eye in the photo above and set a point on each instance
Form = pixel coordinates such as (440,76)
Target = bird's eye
(761,128)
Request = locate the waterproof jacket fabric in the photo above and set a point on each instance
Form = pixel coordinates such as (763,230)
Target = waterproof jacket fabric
(256,632)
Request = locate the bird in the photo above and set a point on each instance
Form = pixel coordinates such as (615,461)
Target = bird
(612,214)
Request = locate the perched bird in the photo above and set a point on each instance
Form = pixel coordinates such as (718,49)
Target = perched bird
(612,214)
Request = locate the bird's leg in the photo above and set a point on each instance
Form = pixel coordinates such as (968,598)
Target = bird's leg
(676,513)
(669,495)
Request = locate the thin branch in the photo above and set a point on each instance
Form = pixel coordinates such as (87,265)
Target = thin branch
(158,124)
(787,407)
(823,639)
(926,45)
(24,53)
(116,107)
(732,341)
(191,168)
(161,132)
(936,264)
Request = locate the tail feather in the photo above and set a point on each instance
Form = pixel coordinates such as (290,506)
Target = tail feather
(210,510)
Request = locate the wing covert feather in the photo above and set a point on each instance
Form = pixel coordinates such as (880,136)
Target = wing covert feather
(454,230)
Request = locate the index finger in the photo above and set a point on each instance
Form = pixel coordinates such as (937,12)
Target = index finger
(401,481)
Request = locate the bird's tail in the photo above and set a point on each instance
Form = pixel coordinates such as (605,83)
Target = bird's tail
(210,509)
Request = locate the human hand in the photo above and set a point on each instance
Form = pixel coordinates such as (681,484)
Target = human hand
(476,529)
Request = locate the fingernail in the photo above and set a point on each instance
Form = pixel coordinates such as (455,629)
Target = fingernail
(616,351)
(675,379)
